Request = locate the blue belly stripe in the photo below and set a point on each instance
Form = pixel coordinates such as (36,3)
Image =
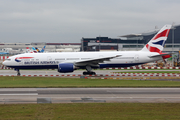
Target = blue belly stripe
(56,66)
(119,65)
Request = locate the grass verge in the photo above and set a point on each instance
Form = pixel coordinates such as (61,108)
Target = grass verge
(91,111)
(55,82)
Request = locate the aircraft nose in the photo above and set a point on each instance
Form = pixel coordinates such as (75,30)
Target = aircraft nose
(4,63)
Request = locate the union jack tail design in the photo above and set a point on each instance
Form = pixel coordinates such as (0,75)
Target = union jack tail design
(156,44)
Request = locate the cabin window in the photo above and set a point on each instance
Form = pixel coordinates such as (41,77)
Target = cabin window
(60,59)
(125,58)
(72,58)
(84,58)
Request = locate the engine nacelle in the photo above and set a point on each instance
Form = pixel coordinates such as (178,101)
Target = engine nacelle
(65,67)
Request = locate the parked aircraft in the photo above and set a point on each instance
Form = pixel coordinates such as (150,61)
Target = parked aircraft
(69,61)
(35,50)
(43,49)
(2,53)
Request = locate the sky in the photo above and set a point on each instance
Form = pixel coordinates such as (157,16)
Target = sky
(67,21)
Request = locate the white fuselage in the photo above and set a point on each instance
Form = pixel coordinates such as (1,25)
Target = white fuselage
(51,60)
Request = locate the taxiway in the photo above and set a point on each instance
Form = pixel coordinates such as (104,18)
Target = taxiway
(83,95)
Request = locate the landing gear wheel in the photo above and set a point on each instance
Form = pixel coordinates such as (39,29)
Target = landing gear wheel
(84,73)
(89,73)
(92,73)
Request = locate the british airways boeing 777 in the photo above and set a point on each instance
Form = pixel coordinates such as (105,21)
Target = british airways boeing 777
(70,61)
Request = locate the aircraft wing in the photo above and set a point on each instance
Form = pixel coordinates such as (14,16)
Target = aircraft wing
(95,61)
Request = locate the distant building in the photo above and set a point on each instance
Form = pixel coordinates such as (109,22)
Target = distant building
(131,41)
(17,48)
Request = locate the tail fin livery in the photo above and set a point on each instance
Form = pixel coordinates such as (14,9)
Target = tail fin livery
(156,44)
(43,49)
(27,50)
(37,49)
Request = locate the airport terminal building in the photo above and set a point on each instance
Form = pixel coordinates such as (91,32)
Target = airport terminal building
(131,41)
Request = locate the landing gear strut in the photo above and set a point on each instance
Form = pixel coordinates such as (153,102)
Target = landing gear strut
(89,71)
(18,72)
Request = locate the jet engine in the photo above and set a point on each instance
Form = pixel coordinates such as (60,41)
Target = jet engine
(66,67)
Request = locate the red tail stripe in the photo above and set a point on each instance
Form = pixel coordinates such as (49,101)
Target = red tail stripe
(166,56)
(162,34)
(153,49)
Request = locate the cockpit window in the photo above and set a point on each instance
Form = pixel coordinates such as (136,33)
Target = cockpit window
(8,59)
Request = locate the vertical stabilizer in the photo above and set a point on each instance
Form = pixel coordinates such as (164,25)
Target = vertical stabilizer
(156,44)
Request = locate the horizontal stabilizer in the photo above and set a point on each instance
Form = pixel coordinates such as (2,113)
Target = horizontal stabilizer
(161,55)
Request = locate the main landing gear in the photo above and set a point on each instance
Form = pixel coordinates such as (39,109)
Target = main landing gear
(89,71)
(18,72)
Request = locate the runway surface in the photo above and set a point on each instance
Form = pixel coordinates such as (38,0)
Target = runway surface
(100,74)
(76,72)
(55,72)
(83,95)
(50,72)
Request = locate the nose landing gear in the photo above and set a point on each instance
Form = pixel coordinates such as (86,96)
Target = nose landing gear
(18,72)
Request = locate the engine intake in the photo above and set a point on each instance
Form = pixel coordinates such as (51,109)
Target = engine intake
(65,67)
